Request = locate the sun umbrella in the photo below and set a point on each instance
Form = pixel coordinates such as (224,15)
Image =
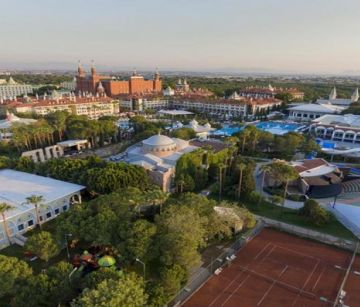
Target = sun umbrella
(106,261)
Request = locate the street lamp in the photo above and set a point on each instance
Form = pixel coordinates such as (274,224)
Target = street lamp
(67,245)
(334,201)
(143,264)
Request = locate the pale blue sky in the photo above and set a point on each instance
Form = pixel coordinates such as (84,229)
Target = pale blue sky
(320,36)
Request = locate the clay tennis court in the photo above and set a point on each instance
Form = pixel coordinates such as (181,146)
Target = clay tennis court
(277,269)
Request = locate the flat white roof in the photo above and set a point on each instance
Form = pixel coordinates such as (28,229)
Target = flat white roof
(347,121)
(313,107)
(16,186)
(175,112)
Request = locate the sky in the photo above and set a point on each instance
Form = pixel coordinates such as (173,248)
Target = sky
(287,36)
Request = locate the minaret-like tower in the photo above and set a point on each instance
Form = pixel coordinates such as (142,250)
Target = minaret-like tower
(93,70)
(333,94)
(80,70)
(355,95)
(157,83)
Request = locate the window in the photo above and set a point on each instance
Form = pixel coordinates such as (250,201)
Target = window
(30,223)
(65,208)
(48,215)
(40,218)
(57,211)
(21,227)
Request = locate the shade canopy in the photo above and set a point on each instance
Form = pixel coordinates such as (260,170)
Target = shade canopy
(106,261)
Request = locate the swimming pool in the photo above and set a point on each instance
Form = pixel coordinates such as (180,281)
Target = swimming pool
(274,127)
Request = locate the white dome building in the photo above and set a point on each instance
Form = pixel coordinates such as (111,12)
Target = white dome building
(159,145)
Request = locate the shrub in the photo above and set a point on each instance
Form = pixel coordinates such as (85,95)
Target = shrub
(43,245)
(314,213)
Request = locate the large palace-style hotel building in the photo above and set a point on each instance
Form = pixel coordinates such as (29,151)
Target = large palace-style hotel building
(135,85)
(98,95)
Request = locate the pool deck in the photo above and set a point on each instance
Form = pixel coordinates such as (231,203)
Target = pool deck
(274,127)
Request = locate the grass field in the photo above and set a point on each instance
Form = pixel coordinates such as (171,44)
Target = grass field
(291,216)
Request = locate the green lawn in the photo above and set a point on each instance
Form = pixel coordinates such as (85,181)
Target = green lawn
(291,216)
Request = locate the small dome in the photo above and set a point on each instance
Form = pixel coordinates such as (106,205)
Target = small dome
(158,140)
(100,88)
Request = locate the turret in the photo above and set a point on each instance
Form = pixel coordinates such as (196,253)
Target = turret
(80,70)
(157,74)
(100,89)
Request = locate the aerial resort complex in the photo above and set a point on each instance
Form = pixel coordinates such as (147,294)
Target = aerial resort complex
(179,154)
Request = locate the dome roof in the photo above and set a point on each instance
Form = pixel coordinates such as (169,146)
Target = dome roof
(158,140)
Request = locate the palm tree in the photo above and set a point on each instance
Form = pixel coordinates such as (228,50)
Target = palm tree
(221,166)
(35,200)
(265,169)
(157,197)
(3,208)
(284,173)
(241,167)
(180,182)
(244,135)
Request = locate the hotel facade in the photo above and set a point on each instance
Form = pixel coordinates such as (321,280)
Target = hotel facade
(112,87)
(10,89)
(340,128)
(91,106)
(200,104)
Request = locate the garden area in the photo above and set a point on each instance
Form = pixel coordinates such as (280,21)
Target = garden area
(146,239)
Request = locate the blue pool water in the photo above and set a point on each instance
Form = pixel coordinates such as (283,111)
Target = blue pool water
(326,144)
(278,128)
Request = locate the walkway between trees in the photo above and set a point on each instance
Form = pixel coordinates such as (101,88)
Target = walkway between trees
(258,181)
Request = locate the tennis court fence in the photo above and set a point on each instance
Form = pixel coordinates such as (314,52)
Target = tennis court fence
(204,273)
(309,233)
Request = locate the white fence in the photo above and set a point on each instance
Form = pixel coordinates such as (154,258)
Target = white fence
(309,233)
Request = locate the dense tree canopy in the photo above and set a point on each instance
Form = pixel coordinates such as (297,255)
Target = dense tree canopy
(12,273)
(184,133)
(127,291)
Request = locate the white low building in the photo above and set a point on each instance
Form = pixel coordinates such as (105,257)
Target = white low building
(168,91)
(202,131)
(340,128)
(16,186)
(7,124)
(310,111)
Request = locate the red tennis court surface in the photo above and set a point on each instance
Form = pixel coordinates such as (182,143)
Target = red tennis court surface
(278,269)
